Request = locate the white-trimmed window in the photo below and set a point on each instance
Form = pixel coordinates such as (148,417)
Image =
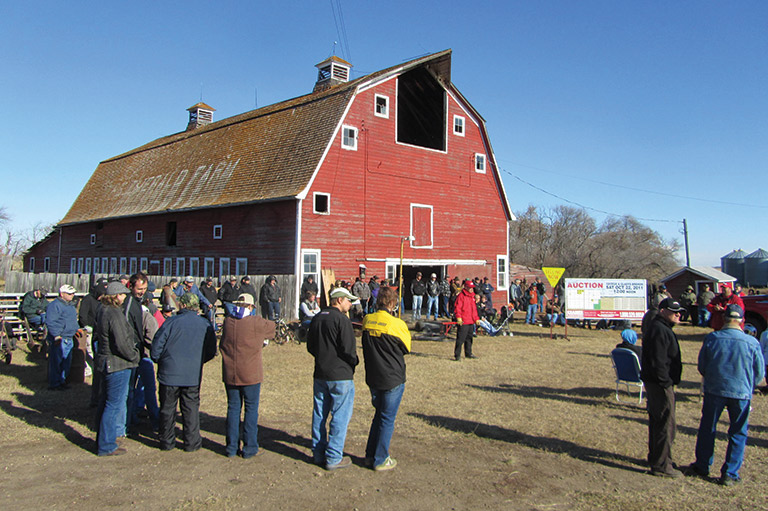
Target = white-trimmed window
(104,265)
(139,236)
(502,272)
(208,266)
(391,272)
(87,265)
(217,230)
(241,266)
(167,267)
(96,265)
(310,265)
(31,265)
(480,163)
(144,265)
(46,264)
(381,106)
(180,267)
(349,138)
(194,266)
(80,265)
(321,203)
(421,225)
(123,265)
(134,267)
(73,265)
(113,265)
(93,239)
(458,125)
(224,267)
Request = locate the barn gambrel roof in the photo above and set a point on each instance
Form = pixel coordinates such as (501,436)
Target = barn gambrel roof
(263,155)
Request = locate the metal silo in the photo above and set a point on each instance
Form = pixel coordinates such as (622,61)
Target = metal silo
(733,264)
(756,268)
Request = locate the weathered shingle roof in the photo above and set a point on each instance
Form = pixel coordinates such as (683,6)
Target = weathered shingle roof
(265,154)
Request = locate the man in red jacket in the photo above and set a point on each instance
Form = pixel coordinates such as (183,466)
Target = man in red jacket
(719,303)
(466,316)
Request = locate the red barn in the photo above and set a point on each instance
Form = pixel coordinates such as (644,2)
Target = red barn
(335,179)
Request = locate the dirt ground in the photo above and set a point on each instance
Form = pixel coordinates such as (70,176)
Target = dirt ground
(532,424)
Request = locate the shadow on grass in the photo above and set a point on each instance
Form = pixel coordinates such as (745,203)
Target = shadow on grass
(270,439)
(555,445)
(579,395)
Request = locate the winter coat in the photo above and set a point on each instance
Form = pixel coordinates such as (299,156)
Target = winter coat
(241,343)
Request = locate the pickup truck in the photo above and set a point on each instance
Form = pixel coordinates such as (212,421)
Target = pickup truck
(756,312)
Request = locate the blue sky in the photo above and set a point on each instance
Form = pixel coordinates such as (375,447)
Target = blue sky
(653,109)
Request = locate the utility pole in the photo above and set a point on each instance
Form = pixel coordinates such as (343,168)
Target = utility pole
(685,235)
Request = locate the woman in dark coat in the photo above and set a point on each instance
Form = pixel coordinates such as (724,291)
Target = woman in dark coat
(117,355)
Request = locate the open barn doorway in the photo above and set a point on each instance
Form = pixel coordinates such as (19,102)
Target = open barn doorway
(409,274)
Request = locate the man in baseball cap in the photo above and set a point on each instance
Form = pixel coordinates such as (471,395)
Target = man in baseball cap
(61,318)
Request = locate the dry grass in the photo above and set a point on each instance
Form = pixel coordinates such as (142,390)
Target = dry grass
(532,424)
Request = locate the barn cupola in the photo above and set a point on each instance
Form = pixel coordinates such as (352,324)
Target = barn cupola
(200,114)
(332,71)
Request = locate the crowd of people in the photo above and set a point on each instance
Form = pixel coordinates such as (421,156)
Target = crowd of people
(142,351)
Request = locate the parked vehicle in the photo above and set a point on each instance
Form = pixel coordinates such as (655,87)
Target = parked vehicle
(756,312)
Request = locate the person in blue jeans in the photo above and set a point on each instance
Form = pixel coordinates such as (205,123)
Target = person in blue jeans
(331,340)
(732,365)
(62,326)
(244,335)
(386,340)
(117,355)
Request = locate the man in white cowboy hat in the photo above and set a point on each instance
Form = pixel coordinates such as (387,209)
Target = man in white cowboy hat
(61,318)
(331,340)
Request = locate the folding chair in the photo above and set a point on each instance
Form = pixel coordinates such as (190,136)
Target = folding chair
(627,367)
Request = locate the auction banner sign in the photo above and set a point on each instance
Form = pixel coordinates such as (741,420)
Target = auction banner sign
(605,299)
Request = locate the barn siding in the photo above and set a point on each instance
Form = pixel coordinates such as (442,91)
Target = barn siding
(373,187)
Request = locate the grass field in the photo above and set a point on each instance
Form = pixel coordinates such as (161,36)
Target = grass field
(533,423)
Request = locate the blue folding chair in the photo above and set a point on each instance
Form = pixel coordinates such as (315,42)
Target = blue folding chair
(627,367)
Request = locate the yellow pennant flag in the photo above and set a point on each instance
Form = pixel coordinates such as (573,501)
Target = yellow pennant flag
(553,274)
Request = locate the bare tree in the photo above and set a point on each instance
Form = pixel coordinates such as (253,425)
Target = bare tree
(568,237)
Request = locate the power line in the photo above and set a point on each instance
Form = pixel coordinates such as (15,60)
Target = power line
(582,205)
(624,187)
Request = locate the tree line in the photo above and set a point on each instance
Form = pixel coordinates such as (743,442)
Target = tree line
(568,237)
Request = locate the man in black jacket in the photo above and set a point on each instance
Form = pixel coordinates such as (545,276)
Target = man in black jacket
(331,340)
(269,299)
(661,370)
(228,294)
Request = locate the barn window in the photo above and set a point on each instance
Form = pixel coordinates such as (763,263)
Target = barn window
(87,265)
(421,115)
(80,265)
(194,266)
(217,232)
(310,265)
(123,265)
(170,234)
(73,265)
(139,236)
(208,265)
(502,273)
(321,203)
(241,266)
(96,265)
(144,265)
(480,163)
(46,264)
(458,125)
(113,265)
(349,138)
(167,267)
(104,265)
(223,267)
(31,268)
(421,226)
(180,268)
(134,265)
(93,239)
(381,106)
